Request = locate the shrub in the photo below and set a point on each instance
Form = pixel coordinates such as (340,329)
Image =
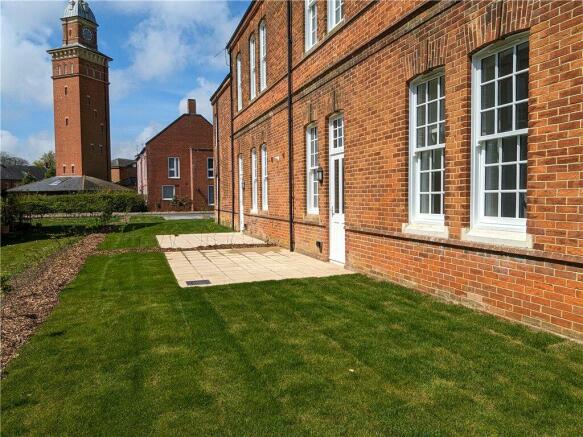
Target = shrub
(103,202)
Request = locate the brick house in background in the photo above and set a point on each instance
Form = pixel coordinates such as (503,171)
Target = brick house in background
(175,169)
(124,172)
(438,145)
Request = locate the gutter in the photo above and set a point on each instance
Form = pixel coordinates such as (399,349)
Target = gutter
(290,128)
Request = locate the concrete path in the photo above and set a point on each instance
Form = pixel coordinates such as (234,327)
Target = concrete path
(195,241)
(228,266)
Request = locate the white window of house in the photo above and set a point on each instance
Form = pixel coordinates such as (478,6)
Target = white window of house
(173,168)
(210,168)
(239,84)
(211,194)
(264,183)
(335,13)
(312,163)
(337,132)
(311,25)
(168,192)
(262,56)
(426,149)
(252,75)
(499,131)
(254,180)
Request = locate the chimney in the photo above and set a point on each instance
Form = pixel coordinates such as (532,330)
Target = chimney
(191,106)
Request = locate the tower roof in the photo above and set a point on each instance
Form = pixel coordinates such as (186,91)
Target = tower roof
(79,8)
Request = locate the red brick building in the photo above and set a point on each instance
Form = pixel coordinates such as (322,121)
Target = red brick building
(176,168)
(81,97)
(124,172)
(438,145)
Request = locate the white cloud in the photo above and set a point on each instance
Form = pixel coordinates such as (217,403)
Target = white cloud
(129,149)
(202,94)
(8,141)
(25,40)
(171,37)
(31,148)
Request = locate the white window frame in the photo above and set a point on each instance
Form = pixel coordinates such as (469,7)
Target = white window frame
(252,69)
(239,83)
(211,188)
(173,192)
(312,165)
(415,214)
(262,56)
(311,24)
(254,180)
(210,168)
(335,13)
(479,222)
(173,170)
(264,179)
(336,133)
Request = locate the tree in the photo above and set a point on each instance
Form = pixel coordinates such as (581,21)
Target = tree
(48,162)
(8,159)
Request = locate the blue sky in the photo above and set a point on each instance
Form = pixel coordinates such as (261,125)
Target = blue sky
(163,51)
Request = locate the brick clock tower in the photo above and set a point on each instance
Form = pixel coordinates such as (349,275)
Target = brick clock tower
(81,97)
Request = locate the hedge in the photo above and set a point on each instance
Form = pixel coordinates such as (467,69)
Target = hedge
(99,202)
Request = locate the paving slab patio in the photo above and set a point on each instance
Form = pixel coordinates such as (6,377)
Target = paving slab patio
(194,241)
(209,267)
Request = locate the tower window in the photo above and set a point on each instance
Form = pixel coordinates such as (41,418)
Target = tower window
(65,72)
(66,121)
(64,169)
(70,32)
(102,128)
(72,69)
(95,114)
(72,168)
(66,90)
(89,100)
(58,70)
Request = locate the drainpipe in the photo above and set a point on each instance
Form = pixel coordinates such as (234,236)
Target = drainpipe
(191,183)
(290,150)
(232,148)
(218,168)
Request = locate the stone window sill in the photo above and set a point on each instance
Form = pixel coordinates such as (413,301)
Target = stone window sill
(498,237)
(426,229)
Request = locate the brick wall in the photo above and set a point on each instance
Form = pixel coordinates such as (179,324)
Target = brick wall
(121,173)
(363,69)
(222,153)
(188,138)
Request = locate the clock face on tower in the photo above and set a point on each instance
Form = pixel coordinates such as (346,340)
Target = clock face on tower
(87,34)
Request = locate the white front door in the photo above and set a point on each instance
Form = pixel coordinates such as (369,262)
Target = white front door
(241,203)
(337,245)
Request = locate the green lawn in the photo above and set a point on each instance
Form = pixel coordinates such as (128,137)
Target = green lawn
(141,231)
(18,257)
(128,352)
(26,248)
